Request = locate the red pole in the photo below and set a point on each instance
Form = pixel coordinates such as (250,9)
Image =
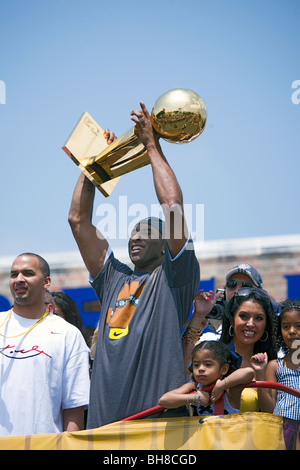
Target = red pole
(145,414)
(274,385)
(219,405)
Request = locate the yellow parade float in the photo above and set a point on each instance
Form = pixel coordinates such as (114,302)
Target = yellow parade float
(241,431)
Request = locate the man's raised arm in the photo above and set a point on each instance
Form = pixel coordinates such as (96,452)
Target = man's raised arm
(166,185)
(91,245)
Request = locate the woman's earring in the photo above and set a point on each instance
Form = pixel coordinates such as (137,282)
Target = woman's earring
(231,330)
(266,338)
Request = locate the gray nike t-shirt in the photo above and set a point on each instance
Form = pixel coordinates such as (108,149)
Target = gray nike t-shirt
(139,353)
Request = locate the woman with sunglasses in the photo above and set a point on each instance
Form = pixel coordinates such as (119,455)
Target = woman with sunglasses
(248,329)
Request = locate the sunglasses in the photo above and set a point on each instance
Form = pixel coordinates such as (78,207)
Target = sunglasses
(243,292)
(232,284)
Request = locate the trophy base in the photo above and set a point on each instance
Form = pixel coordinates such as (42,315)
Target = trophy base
(104,164)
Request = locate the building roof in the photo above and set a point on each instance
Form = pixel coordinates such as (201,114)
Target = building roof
(208,249)
(248,246)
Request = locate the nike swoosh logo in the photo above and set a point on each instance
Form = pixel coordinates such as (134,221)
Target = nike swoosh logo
(116,333)
(53,333)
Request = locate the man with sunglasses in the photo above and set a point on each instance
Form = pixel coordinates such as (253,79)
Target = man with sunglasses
(242,275)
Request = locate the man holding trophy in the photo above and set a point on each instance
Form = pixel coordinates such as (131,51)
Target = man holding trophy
(138,355)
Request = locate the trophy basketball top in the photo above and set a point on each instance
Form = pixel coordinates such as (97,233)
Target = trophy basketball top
(179,115)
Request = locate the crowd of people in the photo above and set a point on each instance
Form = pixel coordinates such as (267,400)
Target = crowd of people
(140,356)
(262,336)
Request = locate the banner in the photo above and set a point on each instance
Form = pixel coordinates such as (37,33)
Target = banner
(242,431)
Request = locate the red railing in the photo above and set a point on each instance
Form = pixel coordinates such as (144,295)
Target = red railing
(219,404)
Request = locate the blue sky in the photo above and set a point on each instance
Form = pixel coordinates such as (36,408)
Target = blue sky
(61,58)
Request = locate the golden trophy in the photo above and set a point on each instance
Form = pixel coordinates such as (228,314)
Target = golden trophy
(178,115)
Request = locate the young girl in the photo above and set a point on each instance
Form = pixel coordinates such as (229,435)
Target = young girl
(211,362)
(284,370)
